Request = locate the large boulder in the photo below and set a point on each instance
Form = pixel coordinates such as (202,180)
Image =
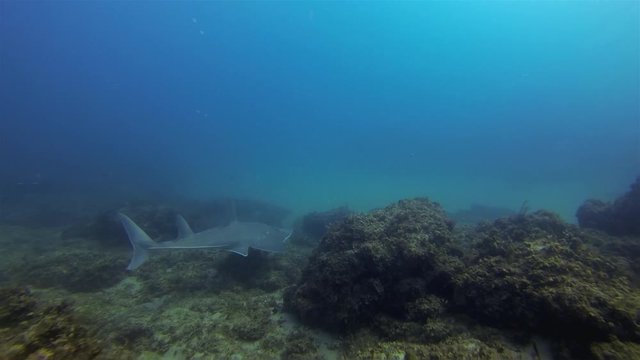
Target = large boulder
(622,217)
(534,272)
(387,261)
(397,271)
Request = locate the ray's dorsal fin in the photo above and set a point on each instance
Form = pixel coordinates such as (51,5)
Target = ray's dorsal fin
(184,230)
(234,211)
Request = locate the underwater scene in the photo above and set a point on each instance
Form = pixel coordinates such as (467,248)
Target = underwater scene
(358,180)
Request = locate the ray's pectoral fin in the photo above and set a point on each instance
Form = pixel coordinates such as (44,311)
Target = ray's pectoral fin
(239,248)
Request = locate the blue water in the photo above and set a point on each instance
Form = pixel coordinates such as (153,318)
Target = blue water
(319,104)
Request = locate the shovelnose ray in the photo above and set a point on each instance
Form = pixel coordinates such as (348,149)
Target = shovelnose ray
(236,237)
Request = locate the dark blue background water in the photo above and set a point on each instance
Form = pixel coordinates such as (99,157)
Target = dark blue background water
(313,105)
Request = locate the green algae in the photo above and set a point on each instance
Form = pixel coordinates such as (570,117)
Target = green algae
(72,269)
(615,350)
(378,262)
(211,305)
(299,346)
(213,271)
(454,347)
(181,271)
(31,329)
(17,305)
(534,272)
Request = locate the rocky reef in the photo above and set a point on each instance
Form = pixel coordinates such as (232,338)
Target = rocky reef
(387,261)
(621,217)
(30,329)
(399,272)
(400,282)
(212,271)
(535,272)
(78,270)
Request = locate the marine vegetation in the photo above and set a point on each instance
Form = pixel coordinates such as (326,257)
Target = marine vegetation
(617,218)
(620,220)
(531,274)
(78,270)
(536,273)
(389,260)
(400,282)
(30,329)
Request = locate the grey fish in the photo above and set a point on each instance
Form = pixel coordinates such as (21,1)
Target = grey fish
(236,237)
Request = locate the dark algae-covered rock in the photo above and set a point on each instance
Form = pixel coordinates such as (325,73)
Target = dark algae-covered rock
(397,273)
(75,270)
(17,305)
(300,346)
(615,350)
(535,272)
(181,272)
(378,262)
(31,330)
(622,217)
(216,270)
(397,283)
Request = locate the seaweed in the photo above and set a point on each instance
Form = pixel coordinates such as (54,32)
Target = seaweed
(375,263)
(30,329)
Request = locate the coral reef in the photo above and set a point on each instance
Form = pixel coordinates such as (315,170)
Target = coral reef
(617,218)
(375,263)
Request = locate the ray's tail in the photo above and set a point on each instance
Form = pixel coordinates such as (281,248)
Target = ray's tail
(140,241)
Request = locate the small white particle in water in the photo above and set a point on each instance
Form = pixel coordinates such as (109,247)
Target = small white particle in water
(201,32)
(195,21)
